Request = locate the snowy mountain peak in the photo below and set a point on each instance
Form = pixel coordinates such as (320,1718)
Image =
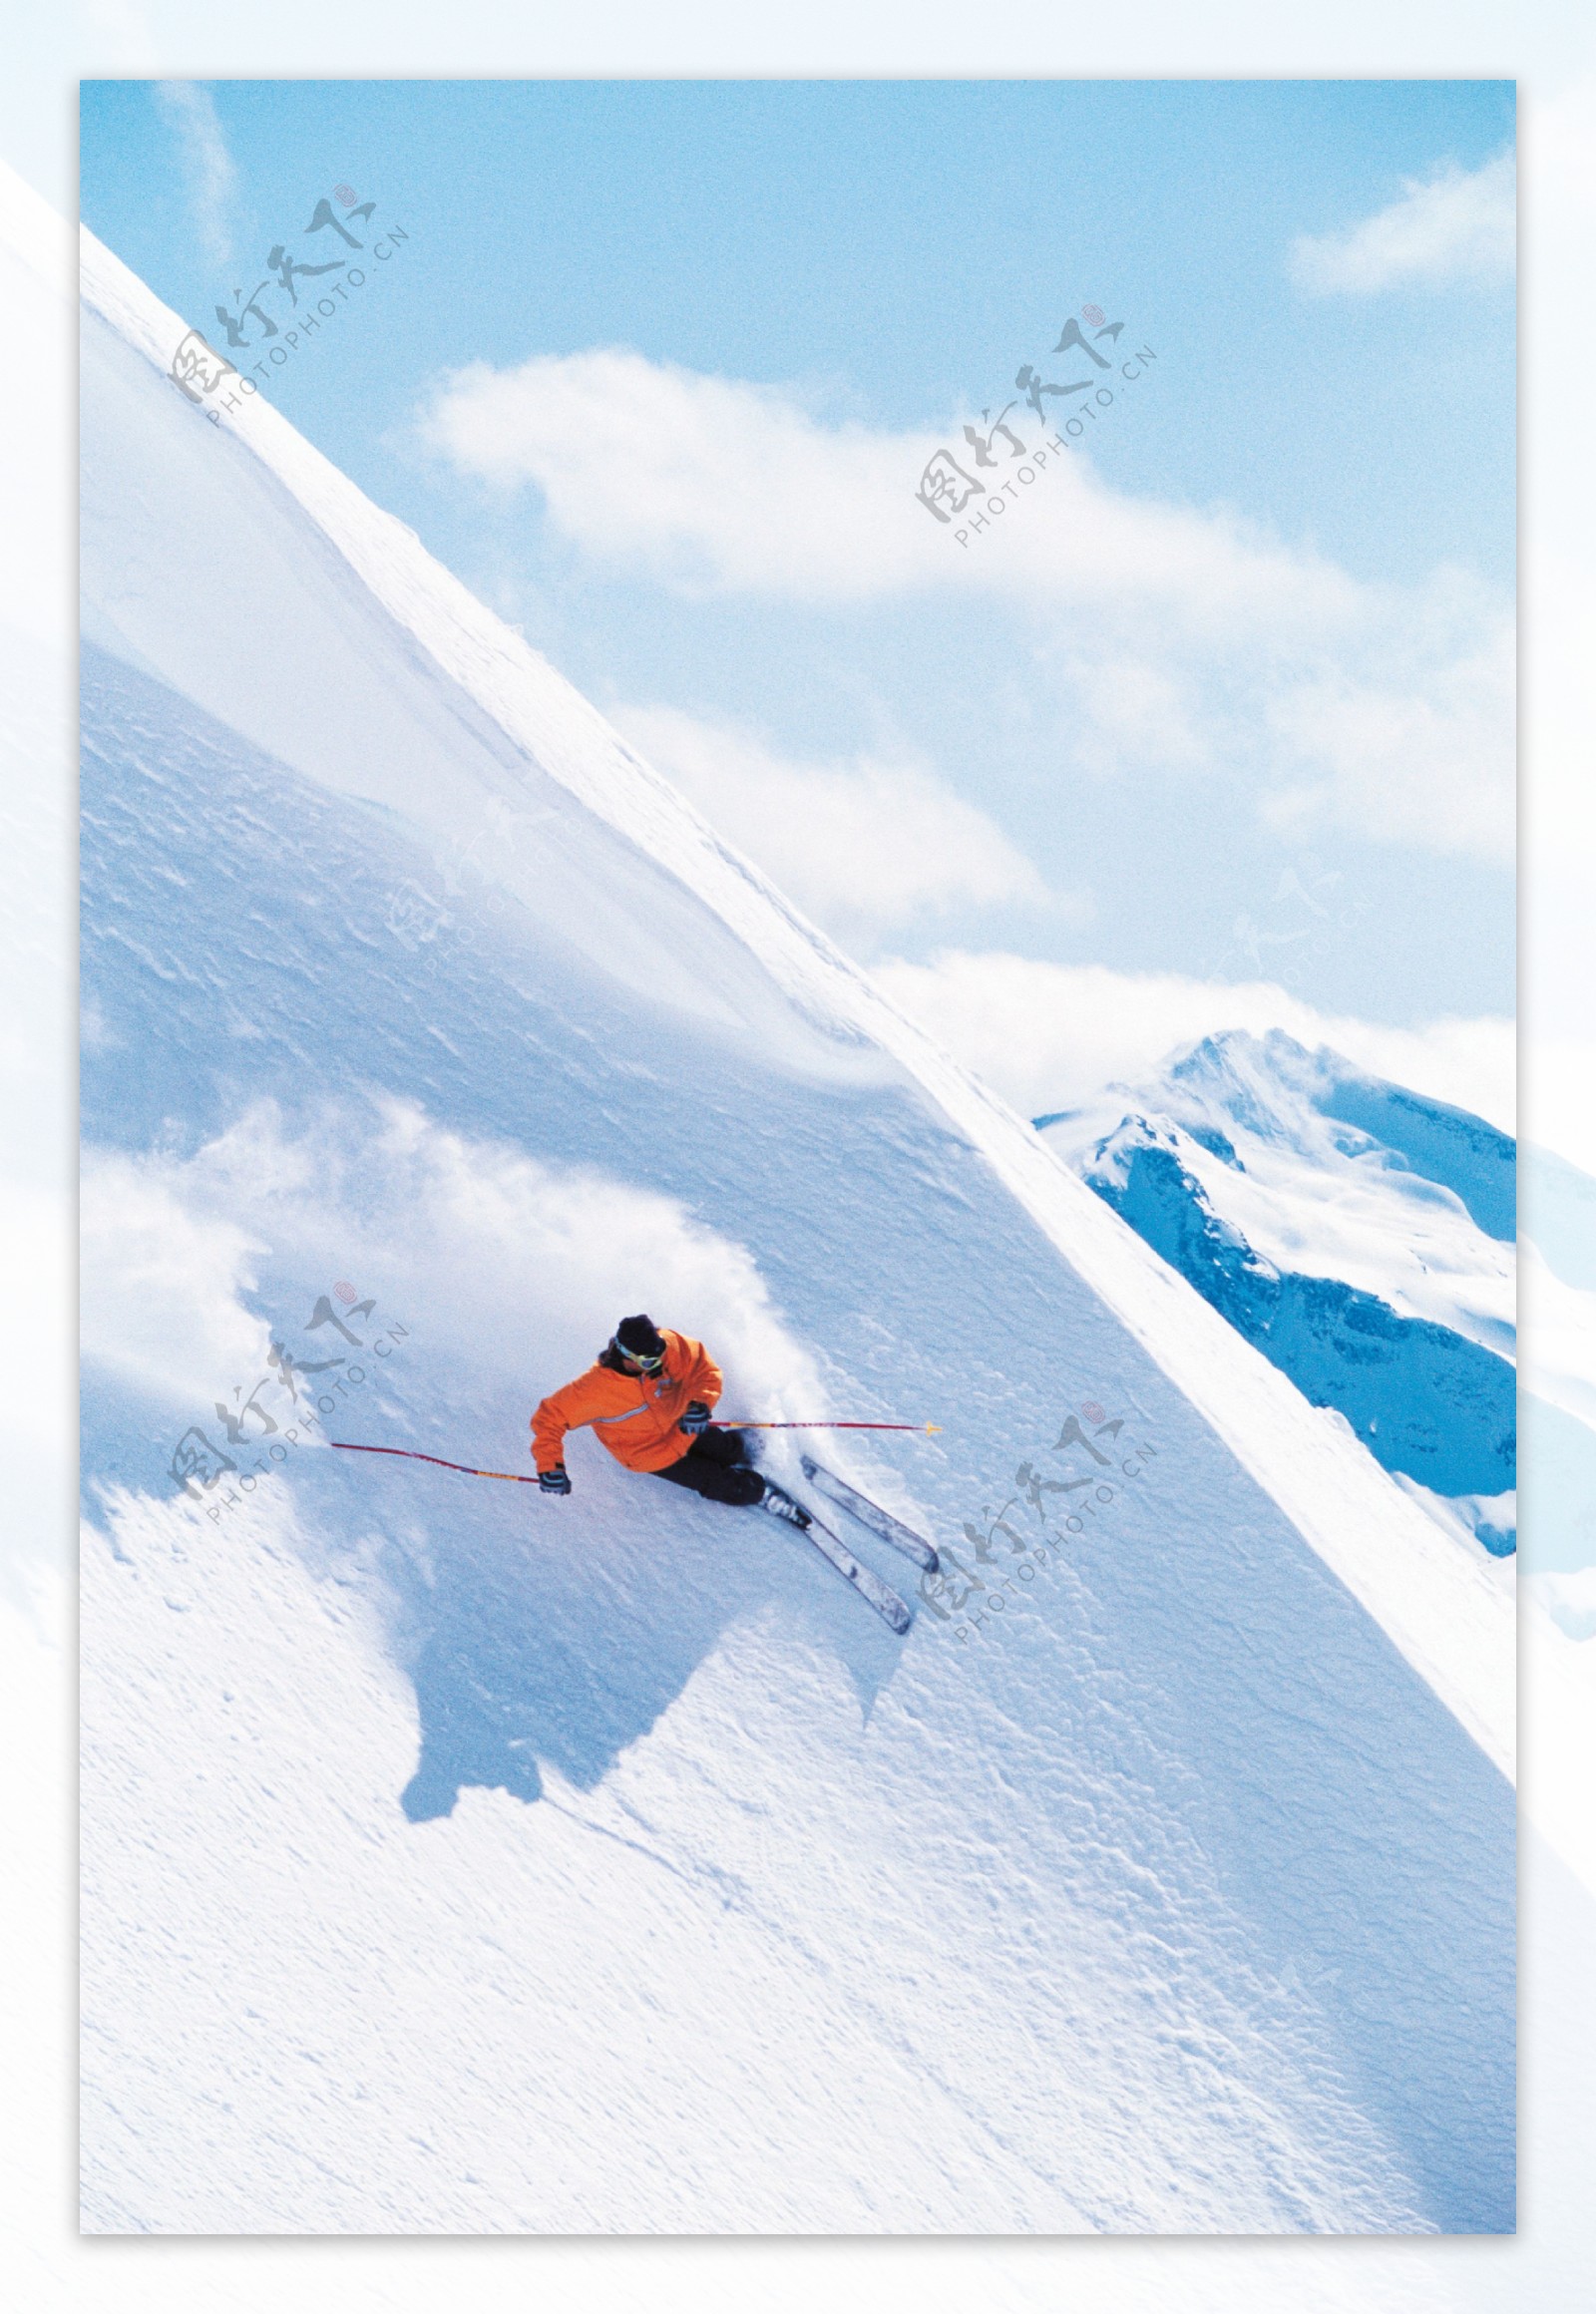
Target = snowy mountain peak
(1263,1179)
(1318,1103)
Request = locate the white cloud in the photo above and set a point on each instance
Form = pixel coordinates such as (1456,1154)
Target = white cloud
(710,480)
(1048,1036)
(1427,762)
(863,846)
(715,484)
(1458,226)
(1182,640)
(190,113)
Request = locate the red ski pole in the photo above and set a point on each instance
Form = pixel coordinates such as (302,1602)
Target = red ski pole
(825,1425)
(516,1477)
(520,1479)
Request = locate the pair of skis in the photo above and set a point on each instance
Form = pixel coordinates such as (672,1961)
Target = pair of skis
(881,1596)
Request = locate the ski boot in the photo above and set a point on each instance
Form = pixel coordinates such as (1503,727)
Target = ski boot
(781,1505)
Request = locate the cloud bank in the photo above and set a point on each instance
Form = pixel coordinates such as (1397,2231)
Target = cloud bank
(1180,639)
(863,846)
(1460,226)
(1048,1036)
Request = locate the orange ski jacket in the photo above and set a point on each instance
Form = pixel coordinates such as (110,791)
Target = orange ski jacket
(635,1416)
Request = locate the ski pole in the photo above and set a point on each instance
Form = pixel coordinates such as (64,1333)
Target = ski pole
(825,1426)
(520,1478)
(516,1477)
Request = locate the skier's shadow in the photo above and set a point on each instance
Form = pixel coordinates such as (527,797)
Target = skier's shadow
(563,1645)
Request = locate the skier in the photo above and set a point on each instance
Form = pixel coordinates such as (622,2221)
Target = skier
(648,1392)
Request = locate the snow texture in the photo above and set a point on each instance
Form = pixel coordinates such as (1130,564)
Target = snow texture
(458,1860)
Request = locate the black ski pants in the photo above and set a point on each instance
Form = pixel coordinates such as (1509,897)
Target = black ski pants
(715,1465)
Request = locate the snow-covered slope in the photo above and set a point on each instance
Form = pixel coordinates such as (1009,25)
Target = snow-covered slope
(456,1859)
(1361,1235)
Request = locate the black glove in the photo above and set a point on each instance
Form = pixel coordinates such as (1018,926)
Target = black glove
(695,1421)
(555,1481)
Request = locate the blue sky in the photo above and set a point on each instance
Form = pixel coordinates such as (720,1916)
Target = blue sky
(1225,715)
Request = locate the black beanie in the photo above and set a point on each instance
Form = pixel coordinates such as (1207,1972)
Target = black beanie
(639,1337)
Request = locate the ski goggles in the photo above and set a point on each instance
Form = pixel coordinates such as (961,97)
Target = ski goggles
(640,1359)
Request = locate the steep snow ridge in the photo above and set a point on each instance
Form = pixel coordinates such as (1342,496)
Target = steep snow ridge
(1452,1625)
